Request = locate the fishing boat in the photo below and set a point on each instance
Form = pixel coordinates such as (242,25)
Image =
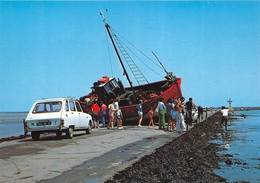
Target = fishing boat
(107,88)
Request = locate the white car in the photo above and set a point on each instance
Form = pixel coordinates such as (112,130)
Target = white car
(57,115)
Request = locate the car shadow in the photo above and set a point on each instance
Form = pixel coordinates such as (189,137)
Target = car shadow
(51,137)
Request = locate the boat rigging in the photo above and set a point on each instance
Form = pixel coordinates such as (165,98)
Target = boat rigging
(107,88)
(140,78)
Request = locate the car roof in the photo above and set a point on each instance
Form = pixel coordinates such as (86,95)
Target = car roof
(55,99)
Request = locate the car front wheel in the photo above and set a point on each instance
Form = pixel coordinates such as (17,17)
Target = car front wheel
(69,132)
(89,130)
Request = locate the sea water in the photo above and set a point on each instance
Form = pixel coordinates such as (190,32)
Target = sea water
(11,123)
(241,143)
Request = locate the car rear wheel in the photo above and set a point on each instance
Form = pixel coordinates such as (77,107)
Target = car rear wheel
(35,136)
(70,132)
(59,134)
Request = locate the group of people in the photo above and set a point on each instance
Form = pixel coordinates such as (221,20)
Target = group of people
(114,113)
(177,114)
(174,111)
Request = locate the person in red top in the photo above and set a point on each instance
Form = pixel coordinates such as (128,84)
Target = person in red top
(95,109)
(103,113)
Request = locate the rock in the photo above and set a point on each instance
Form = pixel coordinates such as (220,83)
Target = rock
(188,158)
(14,138)
(228,162)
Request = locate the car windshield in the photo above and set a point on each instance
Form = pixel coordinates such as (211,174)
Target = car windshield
(46,107)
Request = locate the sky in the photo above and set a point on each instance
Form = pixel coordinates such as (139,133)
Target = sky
(59,48)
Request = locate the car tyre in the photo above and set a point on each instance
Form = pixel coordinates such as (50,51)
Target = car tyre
(35,136)
(89,130)
(59,134)
(70,132)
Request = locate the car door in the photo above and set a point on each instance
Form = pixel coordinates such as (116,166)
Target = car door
(73,115)
(82,116)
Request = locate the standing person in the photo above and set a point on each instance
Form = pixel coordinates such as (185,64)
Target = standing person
(189,106)
(224,113)
(119,116)
(140,112)
(211,109)
(116,104)
(116,107)
(111,109)
(161,109)
(200,111)
(177,106)
(180,125)
(95,112)
(103,113)
(174,114)
(169,107)
(150,114)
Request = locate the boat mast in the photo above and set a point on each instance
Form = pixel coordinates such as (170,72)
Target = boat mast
(117,53)
(169,75)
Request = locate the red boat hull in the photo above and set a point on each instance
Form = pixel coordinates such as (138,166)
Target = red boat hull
(174,92)
(130,111)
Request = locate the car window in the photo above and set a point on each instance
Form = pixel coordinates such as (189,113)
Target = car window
(72,106)
(56,106)
(67,106)
(78,107)
(46,107)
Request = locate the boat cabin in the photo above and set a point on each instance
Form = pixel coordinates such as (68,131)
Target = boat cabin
(108,88)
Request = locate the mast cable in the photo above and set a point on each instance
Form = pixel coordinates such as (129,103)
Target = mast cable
(141,59)
(131,64)
(138,50)
(133,67)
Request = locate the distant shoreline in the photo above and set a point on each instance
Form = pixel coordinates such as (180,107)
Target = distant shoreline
(235,108)
(243,108)
(15,112)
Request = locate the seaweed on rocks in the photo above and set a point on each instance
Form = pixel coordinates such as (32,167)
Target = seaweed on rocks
(14,138)
(189,158)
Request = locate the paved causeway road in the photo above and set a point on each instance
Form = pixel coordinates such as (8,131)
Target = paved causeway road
(85,158)
(89,158)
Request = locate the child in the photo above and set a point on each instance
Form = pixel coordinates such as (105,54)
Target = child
(119,116)
(150,114)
